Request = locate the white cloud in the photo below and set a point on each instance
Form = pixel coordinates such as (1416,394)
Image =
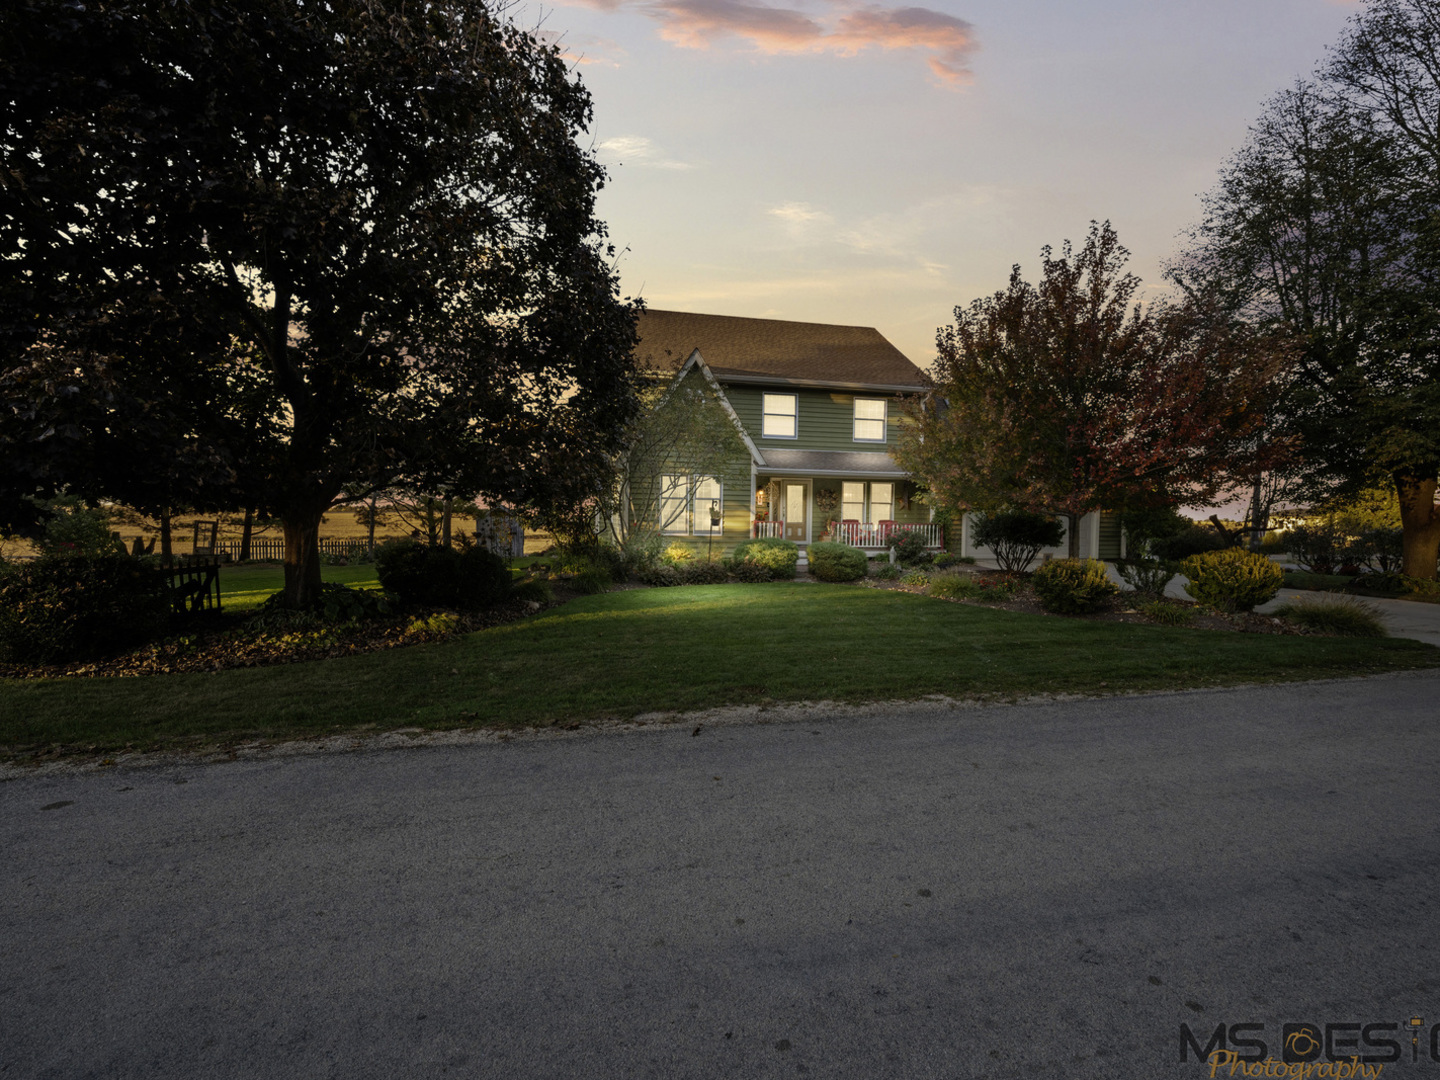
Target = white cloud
(639,151)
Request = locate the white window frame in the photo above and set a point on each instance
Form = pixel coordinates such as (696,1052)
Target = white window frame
(883,420)
(864,500)
(766,413)
(702,527)
(669,482)
(870,501)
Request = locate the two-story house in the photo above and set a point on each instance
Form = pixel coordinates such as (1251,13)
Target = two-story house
(815,413)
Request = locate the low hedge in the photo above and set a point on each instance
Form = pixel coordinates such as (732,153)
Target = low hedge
(1073,586)
(837,562)
(777,556)
(72,607)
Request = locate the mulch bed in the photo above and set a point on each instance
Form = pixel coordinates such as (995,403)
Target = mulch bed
(1121,609)
(225,642)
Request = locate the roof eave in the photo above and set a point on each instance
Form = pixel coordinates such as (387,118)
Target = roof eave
(827,384)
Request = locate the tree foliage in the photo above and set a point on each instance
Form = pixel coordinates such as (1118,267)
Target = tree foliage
(308,249)
(1326,224)
(1066,396)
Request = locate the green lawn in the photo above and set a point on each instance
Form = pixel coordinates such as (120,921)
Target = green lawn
(623,653)
(243,588)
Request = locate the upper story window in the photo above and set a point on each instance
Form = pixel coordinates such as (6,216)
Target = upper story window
(781,412)
(870,419)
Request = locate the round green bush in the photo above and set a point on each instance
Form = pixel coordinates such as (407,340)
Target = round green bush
(836,562)
(777,556)
(1232,579)
(70,607)
(1073,586)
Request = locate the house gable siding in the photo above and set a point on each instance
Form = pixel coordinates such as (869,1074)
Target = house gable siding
(826,418)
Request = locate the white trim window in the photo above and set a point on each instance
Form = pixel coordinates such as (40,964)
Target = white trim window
(708,492)
(882,502)
(781,416)
(674,504)
(852,500)
(870,417)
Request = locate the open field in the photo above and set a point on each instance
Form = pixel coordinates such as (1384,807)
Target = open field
(626,653)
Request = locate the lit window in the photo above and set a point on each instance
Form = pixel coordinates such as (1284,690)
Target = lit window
(674,506)
(707,493)
(780,411)
(852,501)
(882,502)
(869,419)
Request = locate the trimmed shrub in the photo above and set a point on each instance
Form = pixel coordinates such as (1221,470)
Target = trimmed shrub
(1233,579)
(704,572)
(908,545)
(1194,540)
(777,556)
(1016,537)
(1073,586)
(1147,577)
(662,575)
(532,591)
(753,573)
(955,587)
(888,571)
(836,562)
(70,607)
(472,577)
(1331,613)
(1167,614)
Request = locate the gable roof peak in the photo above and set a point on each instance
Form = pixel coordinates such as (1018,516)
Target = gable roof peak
(780,350)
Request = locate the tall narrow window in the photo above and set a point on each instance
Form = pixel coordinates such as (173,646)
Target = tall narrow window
(882,502)
(674,504)
(852,501)
(707,494)
(780,416)
(869,419)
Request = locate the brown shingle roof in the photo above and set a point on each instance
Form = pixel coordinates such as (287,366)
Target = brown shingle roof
(773,348)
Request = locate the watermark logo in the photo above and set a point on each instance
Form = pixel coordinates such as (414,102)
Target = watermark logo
(1342,1050)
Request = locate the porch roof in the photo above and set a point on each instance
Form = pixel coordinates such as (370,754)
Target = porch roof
(831,463)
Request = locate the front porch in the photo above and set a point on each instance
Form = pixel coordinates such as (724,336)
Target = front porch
(872,536)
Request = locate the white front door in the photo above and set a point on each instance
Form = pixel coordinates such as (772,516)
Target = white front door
(795,504)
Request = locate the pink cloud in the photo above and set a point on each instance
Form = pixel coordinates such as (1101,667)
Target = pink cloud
(701,24)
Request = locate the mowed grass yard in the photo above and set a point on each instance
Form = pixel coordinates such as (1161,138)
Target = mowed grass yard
(625,653)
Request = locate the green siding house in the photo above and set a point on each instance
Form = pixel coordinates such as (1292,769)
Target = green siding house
(815,409)
(815,413)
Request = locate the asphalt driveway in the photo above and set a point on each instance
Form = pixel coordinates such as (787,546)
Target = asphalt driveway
(1043,890)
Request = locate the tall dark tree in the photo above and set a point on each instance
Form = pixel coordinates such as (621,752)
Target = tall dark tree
(1066,397)
(386,205)
(1327,224)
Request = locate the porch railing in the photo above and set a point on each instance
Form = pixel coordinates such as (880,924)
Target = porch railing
(769,530)
(866,534)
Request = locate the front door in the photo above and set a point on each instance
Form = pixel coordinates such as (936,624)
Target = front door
(795,505)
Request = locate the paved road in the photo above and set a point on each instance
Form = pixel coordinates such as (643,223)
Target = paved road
(1025,891)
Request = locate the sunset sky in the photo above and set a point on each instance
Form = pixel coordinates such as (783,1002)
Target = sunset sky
(877,164)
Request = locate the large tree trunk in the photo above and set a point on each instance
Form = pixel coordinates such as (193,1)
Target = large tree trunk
(302,557)
(1259,515)
(1072,534)
(165,536)
(1420,519)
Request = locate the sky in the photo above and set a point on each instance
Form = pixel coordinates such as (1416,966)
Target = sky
(875,164)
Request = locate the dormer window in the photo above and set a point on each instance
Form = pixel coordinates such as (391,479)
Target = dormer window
(781,412)
(870,419)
